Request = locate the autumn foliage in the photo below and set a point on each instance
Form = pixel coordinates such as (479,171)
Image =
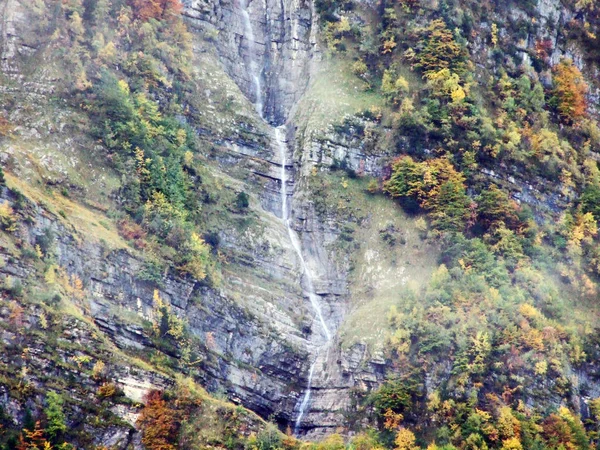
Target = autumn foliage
(33,439)
(435,185)
(161,418)
(440,50)
(156,9)
(570,91)
(159,423)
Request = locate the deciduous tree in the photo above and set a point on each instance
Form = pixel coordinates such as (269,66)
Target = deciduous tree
(569,91)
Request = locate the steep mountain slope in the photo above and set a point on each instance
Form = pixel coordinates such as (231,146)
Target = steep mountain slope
(212,189)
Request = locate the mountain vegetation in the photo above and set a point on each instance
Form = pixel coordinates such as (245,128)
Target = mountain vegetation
(487,120)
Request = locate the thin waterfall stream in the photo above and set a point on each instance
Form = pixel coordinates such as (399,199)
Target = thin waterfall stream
(310,290)
(255,73)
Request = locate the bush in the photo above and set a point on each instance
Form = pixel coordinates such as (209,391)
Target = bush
(242,200)
(46,241)
(107,390)
(269,438)
(55,416)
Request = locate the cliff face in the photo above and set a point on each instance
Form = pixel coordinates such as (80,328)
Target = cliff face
(282,43)
(257,327)
(257,333)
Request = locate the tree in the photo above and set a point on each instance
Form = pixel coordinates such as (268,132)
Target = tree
(8,220)
(156,9)
(450,207)
(590,199)
(242,200)
(405,440)
(435,186)
(166,323)
(393,87)
(55,415)
(196,261)
(76,26)
(569,93)
(440,50)
(557,433)
(394,395)
(494,208)
(446,84)
(406,179)
(158,423)
(146,9)
(33,439)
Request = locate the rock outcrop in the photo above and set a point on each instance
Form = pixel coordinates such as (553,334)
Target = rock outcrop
(284,43)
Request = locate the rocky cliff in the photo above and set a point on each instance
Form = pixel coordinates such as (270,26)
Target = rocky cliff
(256,330)
(256,336)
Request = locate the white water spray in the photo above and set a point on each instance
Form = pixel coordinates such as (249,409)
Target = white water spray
(306,397)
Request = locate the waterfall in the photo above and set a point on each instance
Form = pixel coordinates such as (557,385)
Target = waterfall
(310,290)
(306,397)
(279,135)
(254,69)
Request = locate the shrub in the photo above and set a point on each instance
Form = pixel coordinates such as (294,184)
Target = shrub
(46,241)
(269,438)
(196,260)
(56,420)
(242,200)
(32,439)
(107,390)
(130,230)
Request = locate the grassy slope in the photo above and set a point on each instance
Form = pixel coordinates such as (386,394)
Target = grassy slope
(333,93)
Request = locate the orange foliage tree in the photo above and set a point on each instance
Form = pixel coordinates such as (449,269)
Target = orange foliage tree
(161,418)
(159,423)
(569,92)
(156,9)
(33,439)
(557,432)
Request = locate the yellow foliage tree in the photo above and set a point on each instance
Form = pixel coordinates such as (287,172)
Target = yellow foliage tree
(8,220)
(405,440)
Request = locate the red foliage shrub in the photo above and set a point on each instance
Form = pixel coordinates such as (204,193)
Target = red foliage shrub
(543,48)
(132,231)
